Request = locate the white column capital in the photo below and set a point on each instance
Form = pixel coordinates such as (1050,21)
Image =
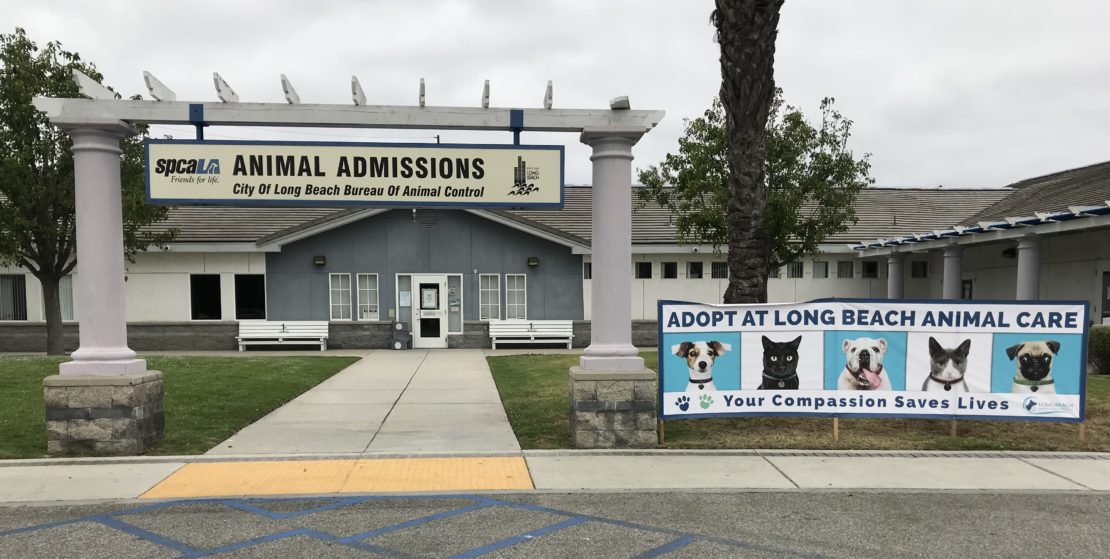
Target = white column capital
(1028,241)
(953,251)
(614,134)
(894,257)
(115,128)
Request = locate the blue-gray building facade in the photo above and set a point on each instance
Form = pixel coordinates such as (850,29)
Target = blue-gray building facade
(428,241)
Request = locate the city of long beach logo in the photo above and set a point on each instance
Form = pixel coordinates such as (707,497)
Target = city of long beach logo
(524,178)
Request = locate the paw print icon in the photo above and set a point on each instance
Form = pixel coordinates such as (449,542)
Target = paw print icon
(683,403)
(705,401)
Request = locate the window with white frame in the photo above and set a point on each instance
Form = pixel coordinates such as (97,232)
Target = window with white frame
(820,269)
(845,269)
(13,297)
(489,297)
(720,270)
(339,296)
(694,270)
(795,269)
(65,296)
(516,296)
(368,297)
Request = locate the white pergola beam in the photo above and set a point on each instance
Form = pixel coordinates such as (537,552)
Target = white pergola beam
(485,95)
(357,94)
(223,90)
(421,92)
(290,93)
(157,89)
(91,88)
(547,96)
(86,111)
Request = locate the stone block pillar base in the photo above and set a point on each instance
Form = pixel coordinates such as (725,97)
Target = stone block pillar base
(613,409)
(113,415)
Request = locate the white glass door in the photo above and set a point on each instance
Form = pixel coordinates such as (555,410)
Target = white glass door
(429,311)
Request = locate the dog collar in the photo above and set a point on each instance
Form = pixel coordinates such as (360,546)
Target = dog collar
(1033,385)
(781,381)
(947,383)
(701,382)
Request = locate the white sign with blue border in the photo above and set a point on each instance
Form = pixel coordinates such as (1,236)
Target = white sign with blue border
(330,174)
(874,358)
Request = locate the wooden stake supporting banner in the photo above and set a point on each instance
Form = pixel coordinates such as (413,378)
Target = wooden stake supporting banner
(952,427)
(836,429)
(660,430)
(1083,433)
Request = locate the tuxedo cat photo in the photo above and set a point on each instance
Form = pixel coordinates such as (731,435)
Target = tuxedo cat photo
(780,364)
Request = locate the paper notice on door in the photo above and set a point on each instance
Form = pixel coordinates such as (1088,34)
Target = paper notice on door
(405,299)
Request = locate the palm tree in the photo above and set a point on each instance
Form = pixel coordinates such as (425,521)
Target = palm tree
(746,31)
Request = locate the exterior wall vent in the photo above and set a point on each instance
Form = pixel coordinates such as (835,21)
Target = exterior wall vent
(426,218)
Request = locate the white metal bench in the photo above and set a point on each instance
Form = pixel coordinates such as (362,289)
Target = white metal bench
(266,332)
(531,331)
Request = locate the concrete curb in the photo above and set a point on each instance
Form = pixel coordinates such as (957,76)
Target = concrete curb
(200,458)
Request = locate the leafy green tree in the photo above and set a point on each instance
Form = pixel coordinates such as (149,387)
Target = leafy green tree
(37,221)
(810,182)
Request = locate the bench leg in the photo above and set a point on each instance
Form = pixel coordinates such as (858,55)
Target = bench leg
(323,346)
(241,347)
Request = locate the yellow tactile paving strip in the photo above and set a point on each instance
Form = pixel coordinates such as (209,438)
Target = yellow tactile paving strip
(385,475)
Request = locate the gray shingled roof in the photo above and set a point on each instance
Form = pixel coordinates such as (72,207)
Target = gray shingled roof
(1085,186)
(882,212)
(890,212)
(227,224)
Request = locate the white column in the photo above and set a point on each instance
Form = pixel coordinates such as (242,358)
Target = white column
(952,286)
(103,329)
(611,308)
(1029,269)
(894,276)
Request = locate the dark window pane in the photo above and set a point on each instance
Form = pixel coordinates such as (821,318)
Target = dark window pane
(845,269)
(670,270)
(871,269)
(587,270)
(250,297)
(919,269)
(643,270)
(720,270)
(204,290)
(694,270)
(13,297)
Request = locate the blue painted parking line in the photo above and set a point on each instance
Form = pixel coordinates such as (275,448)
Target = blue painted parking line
(679,542)
(145,534)
(358,541)
(490,548)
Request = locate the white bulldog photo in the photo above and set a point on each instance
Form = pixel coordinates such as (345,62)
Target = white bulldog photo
(864,368)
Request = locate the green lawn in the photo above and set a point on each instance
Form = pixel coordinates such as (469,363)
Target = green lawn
(207,398)
(534,390)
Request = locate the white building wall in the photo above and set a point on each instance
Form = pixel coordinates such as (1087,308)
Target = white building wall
(1072,267)
(157,283)
(646,293)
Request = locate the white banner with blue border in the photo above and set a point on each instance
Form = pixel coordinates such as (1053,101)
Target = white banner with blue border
(874,358)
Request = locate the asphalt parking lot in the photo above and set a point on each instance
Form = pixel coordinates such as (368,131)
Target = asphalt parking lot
(671,524)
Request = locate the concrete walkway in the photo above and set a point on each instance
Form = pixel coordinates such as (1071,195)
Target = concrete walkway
(389,402)
(554,471)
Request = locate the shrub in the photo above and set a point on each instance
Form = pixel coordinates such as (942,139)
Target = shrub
(1098,349)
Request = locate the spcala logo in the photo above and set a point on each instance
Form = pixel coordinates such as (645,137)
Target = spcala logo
(1034,406)
(167,167)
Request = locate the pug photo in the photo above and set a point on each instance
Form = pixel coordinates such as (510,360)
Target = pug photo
(1034,366)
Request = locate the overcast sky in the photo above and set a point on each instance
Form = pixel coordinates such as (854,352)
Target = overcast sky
(960,93)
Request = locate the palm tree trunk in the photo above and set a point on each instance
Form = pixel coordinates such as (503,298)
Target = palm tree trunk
(746,31)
